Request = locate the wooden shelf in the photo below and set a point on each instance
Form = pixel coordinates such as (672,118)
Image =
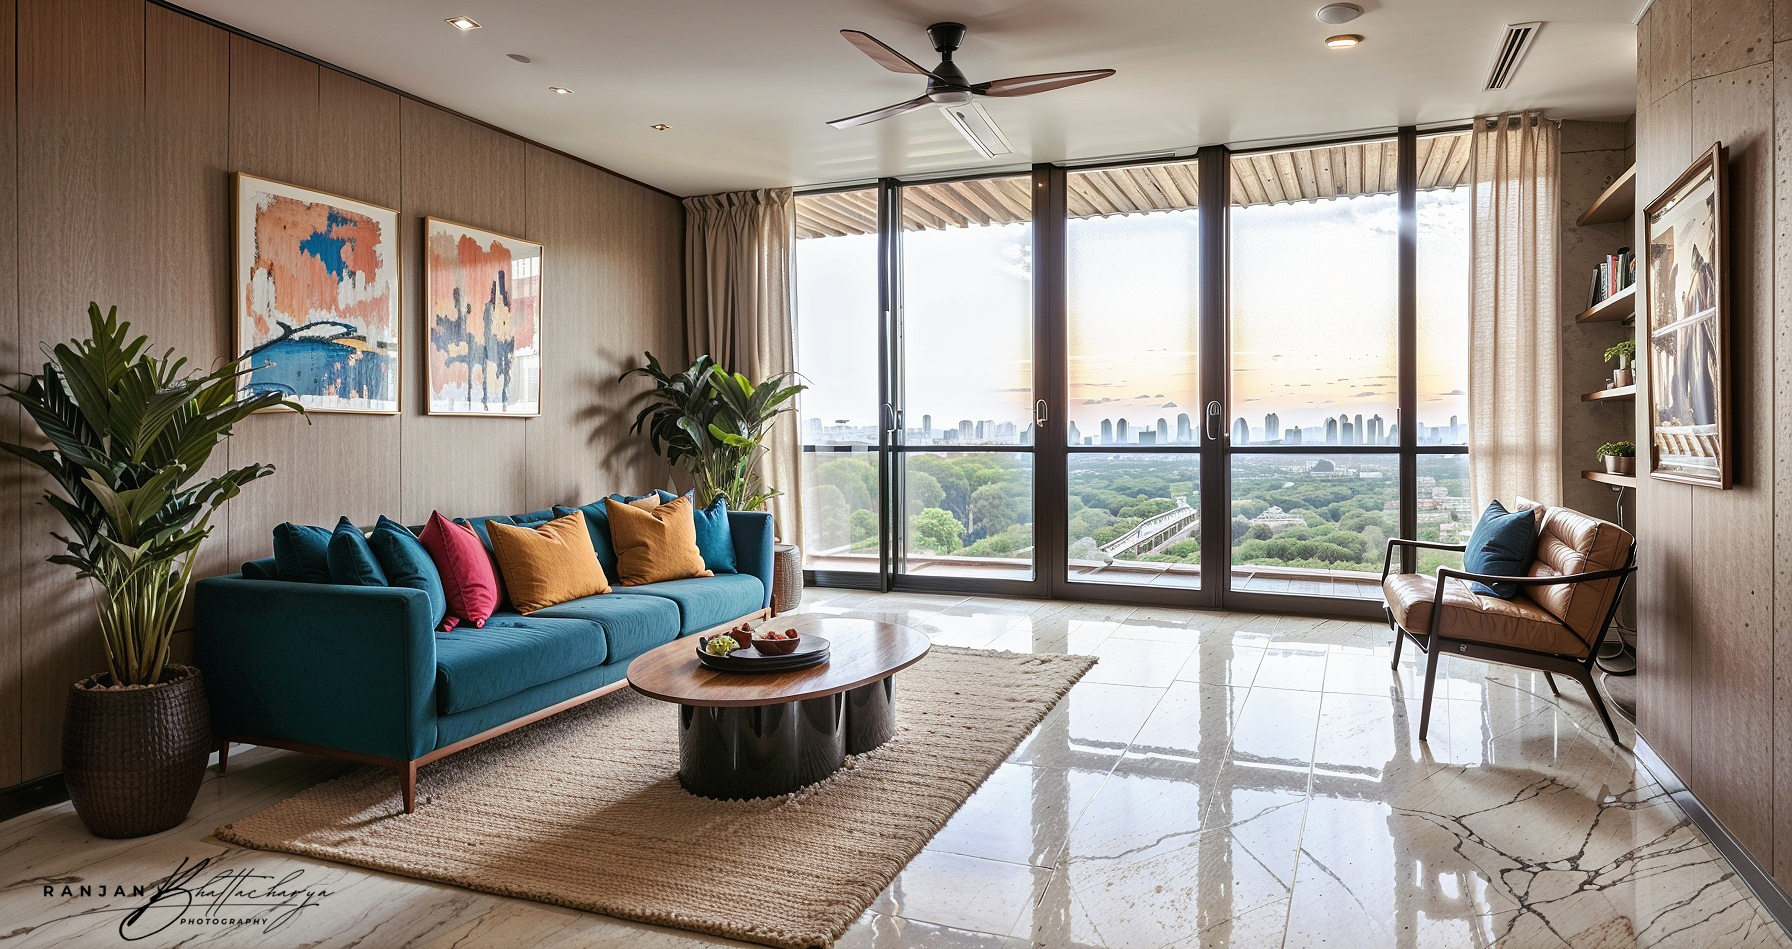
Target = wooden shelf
(1606,477)
(1611,309)
(1620,392)
(1614,204)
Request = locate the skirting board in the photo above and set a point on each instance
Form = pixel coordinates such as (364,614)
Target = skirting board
(38,793)
(1759,881)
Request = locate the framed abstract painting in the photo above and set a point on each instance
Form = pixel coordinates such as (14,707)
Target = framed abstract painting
(1688,346)
(482,323)
(317,297)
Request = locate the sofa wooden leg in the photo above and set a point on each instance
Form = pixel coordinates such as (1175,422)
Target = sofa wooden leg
(407,779)
(223,755)
(1552,685)
(1586,681)
(1431,656)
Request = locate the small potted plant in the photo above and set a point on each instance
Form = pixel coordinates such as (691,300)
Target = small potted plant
(1623,353)
(1620,457)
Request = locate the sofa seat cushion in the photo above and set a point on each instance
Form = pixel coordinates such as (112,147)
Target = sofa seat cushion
(509,654)
(631,625)
(1518,622)
(704,602)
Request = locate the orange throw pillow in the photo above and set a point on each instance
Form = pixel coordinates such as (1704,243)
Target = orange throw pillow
(549,564)
(655,545)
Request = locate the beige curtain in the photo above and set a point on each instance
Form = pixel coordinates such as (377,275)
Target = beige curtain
(1514,384)
(739,277)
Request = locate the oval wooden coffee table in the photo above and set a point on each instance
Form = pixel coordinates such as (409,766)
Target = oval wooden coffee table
(746,735)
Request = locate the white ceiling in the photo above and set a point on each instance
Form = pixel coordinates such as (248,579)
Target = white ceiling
(748,85)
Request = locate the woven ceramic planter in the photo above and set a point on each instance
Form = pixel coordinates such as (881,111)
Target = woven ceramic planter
(787,578)
(133,757)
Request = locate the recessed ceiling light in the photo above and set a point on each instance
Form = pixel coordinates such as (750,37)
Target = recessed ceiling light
(519,57)
(1338,12)
(1343,40)
(463,23)
(561,90)
(660,127)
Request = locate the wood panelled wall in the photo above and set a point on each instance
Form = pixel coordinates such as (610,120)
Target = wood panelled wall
(116,148)
(1715,588)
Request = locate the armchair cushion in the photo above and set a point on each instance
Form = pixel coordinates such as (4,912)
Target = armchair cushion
(1501,545)
(1518,622)
(1569,542)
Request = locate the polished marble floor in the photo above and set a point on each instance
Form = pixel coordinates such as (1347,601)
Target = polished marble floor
(1218,779)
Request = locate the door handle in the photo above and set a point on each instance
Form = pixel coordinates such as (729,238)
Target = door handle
(890,423)
(1213,415)
(1039,414)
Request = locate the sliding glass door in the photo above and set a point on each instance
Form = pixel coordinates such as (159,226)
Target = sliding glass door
(1133,381)
(966,403)
(1182,383)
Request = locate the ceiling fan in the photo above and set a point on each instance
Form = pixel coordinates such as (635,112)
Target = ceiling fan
(948,88)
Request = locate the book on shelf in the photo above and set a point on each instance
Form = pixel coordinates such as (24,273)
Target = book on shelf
(1615,274)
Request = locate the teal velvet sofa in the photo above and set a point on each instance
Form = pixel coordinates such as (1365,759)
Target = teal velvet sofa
(360,673)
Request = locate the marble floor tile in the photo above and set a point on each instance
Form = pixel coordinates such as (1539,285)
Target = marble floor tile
(1090,729)
(962,892)
(1141,662)
(1022,814)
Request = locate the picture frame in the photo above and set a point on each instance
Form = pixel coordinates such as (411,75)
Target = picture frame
(318,296)
(481,321)
(1685,326)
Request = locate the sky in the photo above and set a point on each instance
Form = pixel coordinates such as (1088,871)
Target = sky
(1313,300)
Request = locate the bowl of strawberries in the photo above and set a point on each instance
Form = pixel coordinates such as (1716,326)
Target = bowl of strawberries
(774,642)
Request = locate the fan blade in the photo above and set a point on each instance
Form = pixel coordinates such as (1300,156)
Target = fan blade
(883,55)
(1043,82)
(866,118)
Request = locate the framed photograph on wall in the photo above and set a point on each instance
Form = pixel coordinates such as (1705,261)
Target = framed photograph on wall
(1686,327)
(317,296)
(482,321)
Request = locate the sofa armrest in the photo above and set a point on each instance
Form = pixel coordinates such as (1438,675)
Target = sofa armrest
(343,667)
(752,532)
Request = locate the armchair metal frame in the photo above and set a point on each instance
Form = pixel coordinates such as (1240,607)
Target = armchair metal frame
(1435,641)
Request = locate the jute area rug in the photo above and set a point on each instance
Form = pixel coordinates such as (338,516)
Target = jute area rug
(585,810)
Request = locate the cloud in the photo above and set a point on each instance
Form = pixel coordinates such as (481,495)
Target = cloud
(1453,392)
(1365,394)
(1167,405)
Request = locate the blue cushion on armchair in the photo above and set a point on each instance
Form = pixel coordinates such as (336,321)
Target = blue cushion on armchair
(1503,544)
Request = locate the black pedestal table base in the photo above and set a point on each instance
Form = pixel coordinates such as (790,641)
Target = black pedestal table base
(752,751)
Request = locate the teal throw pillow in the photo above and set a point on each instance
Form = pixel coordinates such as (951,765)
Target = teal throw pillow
(1503,544)
(351,560)
(597,524)
(302,553)
(407,564)
(715,541)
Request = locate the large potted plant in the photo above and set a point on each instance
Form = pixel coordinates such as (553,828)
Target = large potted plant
(129,433)
(713,423)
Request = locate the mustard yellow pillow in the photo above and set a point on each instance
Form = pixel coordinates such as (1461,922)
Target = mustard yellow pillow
(549,564)
(655,545)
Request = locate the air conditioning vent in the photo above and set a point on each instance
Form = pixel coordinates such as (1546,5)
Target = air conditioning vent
(1513,46)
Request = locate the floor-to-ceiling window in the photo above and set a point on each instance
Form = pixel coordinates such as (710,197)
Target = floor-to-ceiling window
(1093,374)
(1132,372)
(838,314)
(965,339)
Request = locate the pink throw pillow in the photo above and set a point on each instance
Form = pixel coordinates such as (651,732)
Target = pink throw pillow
(467,576)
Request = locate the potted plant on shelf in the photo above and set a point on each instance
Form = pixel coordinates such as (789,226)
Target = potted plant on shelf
(1620,457)
(129,433)
(1623,353)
